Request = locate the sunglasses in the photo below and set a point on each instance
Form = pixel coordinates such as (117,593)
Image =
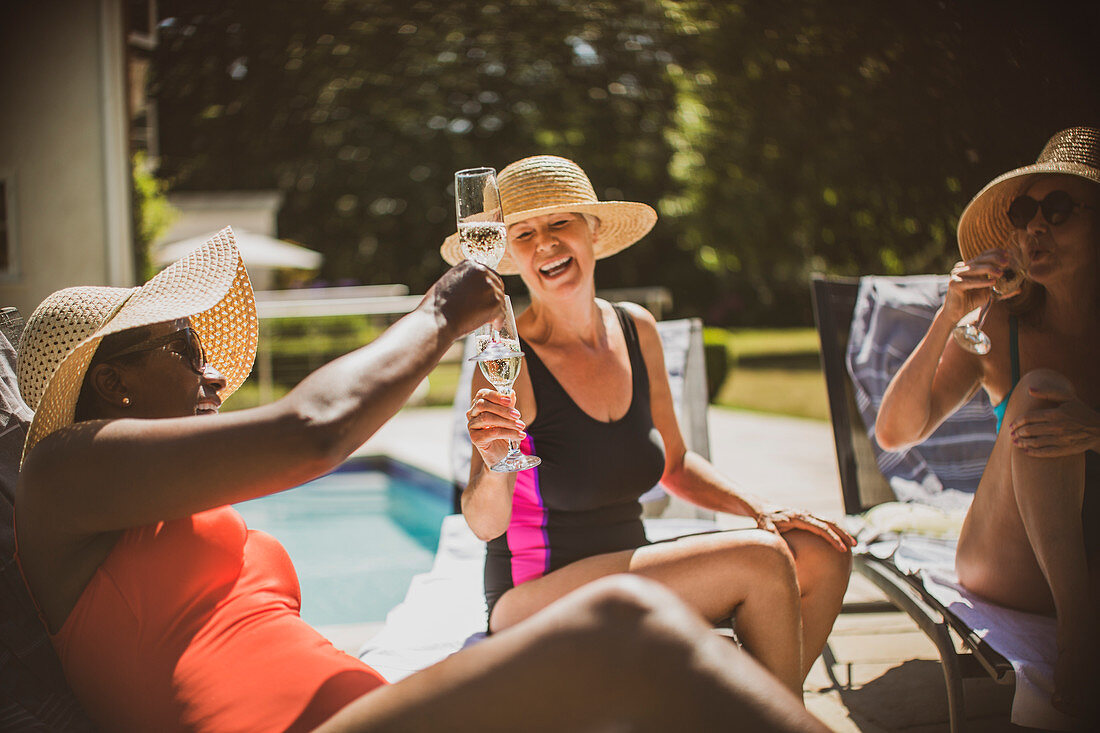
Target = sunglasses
(190,348)
(1057,206)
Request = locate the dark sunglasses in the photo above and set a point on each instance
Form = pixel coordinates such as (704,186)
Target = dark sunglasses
(1057,206)
(190,348)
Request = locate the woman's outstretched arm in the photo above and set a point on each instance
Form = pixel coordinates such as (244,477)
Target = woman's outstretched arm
(105,475)
(622,653)
(694,478)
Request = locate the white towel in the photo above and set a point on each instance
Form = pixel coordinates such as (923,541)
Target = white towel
(1026,640)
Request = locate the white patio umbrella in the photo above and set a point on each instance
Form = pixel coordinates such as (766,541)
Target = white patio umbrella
(259,251)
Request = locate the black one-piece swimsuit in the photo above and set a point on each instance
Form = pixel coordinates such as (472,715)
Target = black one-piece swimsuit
(583,499)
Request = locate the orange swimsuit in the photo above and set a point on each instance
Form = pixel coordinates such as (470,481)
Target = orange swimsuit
(193,625)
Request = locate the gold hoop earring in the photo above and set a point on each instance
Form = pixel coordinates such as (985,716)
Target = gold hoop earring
(125,401)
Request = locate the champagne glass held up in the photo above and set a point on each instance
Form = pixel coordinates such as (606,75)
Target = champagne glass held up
(481,233)
(970,336)
(483,237)
(501,373)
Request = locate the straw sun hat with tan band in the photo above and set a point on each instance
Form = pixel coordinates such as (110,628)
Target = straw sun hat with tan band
(547,184)
(984,223)
(209,285)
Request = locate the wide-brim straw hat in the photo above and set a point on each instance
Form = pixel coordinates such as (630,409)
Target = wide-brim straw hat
(984,222)
(547,184)
(209,285)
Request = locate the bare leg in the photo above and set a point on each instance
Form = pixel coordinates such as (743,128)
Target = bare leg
(1022,544)
(823,574)
(622,654)
(750,572)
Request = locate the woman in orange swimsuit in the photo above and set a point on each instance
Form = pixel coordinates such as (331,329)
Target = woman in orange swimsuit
(1030,540)
(169,614)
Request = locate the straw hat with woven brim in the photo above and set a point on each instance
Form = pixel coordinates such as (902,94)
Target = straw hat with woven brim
(984,223)
(547,184)
(209,285)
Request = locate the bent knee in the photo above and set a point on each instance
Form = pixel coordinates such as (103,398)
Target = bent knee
(812,550)
(628,615)
(625,597)
(1046,380)
(821,567)
(770,552)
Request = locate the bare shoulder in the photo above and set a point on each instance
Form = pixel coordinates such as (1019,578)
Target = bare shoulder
(56,460)
(648,338)
(639,314)
(57,469)
(645,323)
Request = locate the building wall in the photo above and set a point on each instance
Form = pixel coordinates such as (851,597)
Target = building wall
(63,142)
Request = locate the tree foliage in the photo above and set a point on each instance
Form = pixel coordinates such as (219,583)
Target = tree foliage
(775,137)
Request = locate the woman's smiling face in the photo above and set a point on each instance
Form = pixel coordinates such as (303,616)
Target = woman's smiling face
(163,381)
(553,252)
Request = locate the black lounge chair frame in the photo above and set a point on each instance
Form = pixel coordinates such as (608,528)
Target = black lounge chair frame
(863,486)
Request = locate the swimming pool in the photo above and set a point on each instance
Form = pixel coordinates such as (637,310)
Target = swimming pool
(357,536)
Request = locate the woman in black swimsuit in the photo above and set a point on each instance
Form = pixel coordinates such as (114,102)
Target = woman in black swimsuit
(596,407)
(1030,539)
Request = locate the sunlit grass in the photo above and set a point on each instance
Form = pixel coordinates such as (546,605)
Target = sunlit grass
(442,383)
(793,392)
(747,343)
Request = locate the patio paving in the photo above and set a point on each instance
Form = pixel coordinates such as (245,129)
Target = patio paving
(885,674)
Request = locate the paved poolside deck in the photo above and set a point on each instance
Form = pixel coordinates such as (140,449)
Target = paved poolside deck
(886,675)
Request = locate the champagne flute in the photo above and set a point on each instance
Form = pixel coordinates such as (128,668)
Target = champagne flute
(501,373)
(481,232)
(970,336)
(482,235)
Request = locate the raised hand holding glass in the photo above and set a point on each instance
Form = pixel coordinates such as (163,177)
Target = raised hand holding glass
(970,336)
(500,362)
(481,231)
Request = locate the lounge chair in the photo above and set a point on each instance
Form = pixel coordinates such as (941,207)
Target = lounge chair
(33,692)
(444,609)
(916,571)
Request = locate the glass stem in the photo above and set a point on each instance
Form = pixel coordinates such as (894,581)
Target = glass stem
(984,312)
(513,446)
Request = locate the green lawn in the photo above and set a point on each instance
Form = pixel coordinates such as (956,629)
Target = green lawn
(772,370)
(794,392)
(748,343)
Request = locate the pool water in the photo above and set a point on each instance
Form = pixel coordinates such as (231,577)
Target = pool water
(357,536)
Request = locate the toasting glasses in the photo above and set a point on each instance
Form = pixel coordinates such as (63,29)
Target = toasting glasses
(482,237)
(481,234)
(970,336)
(501,372)
(481,231)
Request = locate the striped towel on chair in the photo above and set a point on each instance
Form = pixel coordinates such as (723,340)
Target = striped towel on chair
(891,317)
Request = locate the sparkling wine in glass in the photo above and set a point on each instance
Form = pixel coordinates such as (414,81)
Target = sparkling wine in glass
(481,232)
(501,371)
(970,336)
(482,241)
(482,235)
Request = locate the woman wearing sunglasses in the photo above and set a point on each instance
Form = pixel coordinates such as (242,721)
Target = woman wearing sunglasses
(169,614)
(1031,539)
